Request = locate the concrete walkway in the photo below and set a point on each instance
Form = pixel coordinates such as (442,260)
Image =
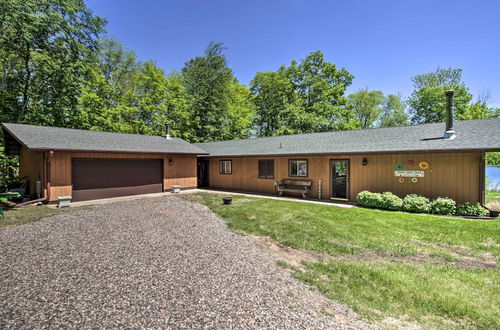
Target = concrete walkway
(222,192)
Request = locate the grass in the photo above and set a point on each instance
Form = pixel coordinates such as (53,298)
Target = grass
(492,196)
(437,271)
(27,214)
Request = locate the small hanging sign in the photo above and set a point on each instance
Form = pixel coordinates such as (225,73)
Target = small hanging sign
(409,174)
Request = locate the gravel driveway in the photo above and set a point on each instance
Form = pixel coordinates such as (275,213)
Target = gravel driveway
(160,263)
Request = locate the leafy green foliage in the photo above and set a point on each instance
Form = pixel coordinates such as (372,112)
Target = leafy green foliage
(8,170)
(56,69)
(493,158)
(5,202)
(220,107)
(46,48)
(369,199)
(443,205)
(391,201)
(428,101)
(303,97)
(386,200)
(366,106)
(416,203)
(393,112)
(471,209)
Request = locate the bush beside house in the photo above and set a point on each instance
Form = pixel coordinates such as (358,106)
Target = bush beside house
(419,204)
(416,203)
(471,209)
(443,205)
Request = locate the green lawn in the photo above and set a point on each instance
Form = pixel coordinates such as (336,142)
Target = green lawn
(492,196)
(437,271)
(27,214)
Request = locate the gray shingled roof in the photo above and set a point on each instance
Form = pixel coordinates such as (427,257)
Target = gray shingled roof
(56,138)
(470,135)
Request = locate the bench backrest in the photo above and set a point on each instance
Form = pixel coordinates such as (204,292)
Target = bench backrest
(303,183)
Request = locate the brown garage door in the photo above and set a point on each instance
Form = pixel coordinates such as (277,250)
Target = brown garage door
(105,178)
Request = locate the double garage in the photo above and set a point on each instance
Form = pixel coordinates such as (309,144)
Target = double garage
(89,165)
(105,178)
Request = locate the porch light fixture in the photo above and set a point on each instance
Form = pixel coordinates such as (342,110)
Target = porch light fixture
(170,162)
(365,162)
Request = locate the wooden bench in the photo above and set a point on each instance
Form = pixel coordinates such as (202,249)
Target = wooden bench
(294,186)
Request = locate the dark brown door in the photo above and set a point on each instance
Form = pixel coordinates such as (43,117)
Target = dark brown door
(105,178)
(340,179)
(203,173)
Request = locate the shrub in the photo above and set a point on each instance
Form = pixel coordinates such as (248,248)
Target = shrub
(369,199)
(416,203)
(4,202)
(391,201)
(443,205)
(470,209)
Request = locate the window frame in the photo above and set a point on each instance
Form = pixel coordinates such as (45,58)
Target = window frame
(225,161)
(298,160)
(266,176)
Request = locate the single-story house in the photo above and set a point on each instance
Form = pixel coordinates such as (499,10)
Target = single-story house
(403,160)
(91,165)
(413,159)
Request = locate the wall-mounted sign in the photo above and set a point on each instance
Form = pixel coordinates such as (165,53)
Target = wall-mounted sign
(409,174)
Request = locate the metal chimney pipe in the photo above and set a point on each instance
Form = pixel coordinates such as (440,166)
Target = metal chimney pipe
(450,132)
(167,127)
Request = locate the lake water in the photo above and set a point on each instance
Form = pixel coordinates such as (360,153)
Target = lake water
(493,175)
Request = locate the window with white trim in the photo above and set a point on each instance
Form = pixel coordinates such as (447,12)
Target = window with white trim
(225,167)
(297,167)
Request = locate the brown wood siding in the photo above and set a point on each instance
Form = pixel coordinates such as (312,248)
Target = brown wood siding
(454,175)
(31,165)
(182,172)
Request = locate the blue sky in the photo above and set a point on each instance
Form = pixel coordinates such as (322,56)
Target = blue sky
(382,43)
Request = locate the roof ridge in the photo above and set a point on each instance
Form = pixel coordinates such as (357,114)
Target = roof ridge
(337,131)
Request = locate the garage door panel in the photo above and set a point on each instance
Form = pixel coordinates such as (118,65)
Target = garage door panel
(89,194)
(104,178)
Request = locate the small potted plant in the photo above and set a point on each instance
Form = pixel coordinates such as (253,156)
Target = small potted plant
(494,208)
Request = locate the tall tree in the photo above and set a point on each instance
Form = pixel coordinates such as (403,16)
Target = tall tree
(241,111)
(320,88)
(125,95)
(393,112)
(207,80)
(273,94)
(46,48)
(303,97)
(428,102)
(367,106)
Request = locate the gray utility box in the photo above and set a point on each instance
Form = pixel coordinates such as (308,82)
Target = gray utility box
(176,189)
(64,201)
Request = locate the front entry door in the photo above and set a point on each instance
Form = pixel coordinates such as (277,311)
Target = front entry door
(340,179)
(203,173)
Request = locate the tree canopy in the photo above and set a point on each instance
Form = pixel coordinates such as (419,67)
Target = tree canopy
(306,96)
(428,104)
(57,67)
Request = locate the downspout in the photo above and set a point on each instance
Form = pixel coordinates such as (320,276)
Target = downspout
(482,183)
(47,174)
